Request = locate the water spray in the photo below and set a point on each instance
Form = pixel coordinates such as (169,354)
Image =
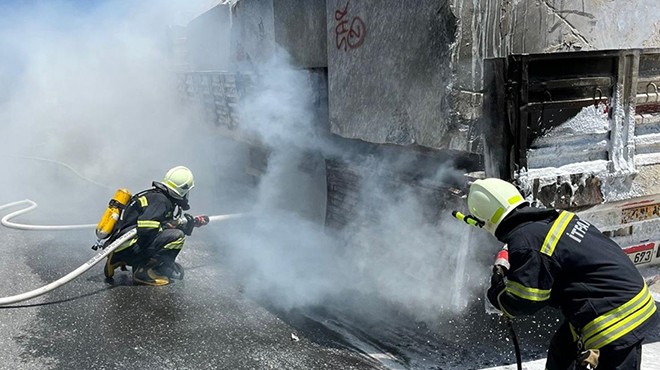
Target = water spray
(500,266)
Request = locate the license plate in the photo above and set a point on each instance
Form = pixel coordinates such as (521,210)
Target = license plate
(640,213)
(642,253)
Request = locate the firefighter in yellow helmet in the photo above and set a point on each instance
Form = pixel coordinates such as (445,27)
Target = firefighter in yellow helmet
(557,259)
(161,229)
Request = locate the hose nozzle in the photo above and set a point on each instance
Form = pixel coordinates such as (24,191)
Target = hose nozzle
(468,219)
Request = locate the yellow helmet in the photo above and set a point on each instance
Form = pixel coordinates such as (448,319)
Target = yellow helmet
(490,200)
(179,180)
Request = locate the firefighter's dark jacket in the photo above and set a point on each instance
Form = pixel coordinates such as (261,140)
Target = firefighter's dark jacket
(149,211)
(560,260)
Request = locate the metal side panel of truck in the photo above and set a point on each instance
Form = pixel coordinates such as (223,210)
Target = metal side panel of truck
(534,90)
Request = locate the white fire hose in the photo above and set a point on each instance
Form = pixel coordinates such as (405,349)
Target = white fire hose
(5,220)
(80,270)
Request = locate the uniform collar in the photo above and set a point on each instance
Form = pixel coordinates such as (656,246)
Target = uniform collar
(520,216)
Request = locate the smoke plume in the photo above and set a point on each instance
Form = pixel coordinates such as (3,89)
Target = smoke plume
(89,84)
(390,251)
(91,87)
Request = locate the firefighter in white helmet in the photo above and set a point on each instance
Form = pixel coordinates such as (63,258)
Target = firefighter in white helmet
(161,230)
(557,259)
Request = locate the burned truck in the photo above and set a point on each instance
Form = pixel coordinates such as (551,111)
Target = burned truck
(559,97)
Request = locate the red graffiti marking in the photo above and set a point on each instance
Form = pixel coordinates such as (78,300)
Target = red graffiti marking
(349,34)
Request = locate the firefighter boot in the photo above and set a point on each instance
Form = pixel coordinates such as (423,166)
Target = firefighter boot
(111,264)
(150,274)
(168,267)
(172,270)
(177,272)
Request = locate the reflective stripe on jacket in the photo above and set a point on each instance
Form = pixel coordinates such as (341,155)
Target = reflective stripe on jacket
(560,260)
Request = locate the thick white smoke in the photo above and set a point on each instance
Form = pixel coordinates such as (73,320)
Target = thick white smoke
(89,84)
(92,87)
(391,251)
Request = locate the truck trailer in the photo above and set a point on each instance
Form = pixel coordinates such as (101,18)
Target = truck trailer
(559,97)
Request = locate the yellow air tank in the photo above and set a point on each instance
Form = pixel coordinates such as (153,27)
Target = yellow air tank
(111,215)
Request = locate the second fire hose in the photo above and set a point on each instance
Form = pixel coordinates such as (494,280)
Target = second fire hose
(4,301)
(70,276)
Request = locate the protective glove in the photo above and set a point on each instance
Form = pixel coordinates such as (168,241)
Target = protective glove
(170,224)
(188,225)
(201,220)
(497,285)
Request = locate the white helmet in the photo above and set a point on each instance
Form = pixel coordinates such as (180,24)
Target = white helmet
(490,200)
(179,180)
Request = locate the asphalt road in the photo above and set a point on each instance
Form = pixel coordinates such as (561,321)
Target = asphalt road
(206,321)
(202,322)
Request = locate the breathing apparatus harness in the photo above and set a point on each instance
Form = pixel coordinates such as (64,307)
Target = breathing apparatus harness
(106,228)
(111,222)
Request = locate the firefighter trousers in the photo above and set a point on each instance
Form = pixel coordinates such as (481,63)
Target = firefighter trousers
(562,345)
(165,247)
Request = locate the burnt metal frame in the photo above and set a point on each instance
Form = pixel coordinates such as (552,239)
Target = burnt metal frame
(514,83)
